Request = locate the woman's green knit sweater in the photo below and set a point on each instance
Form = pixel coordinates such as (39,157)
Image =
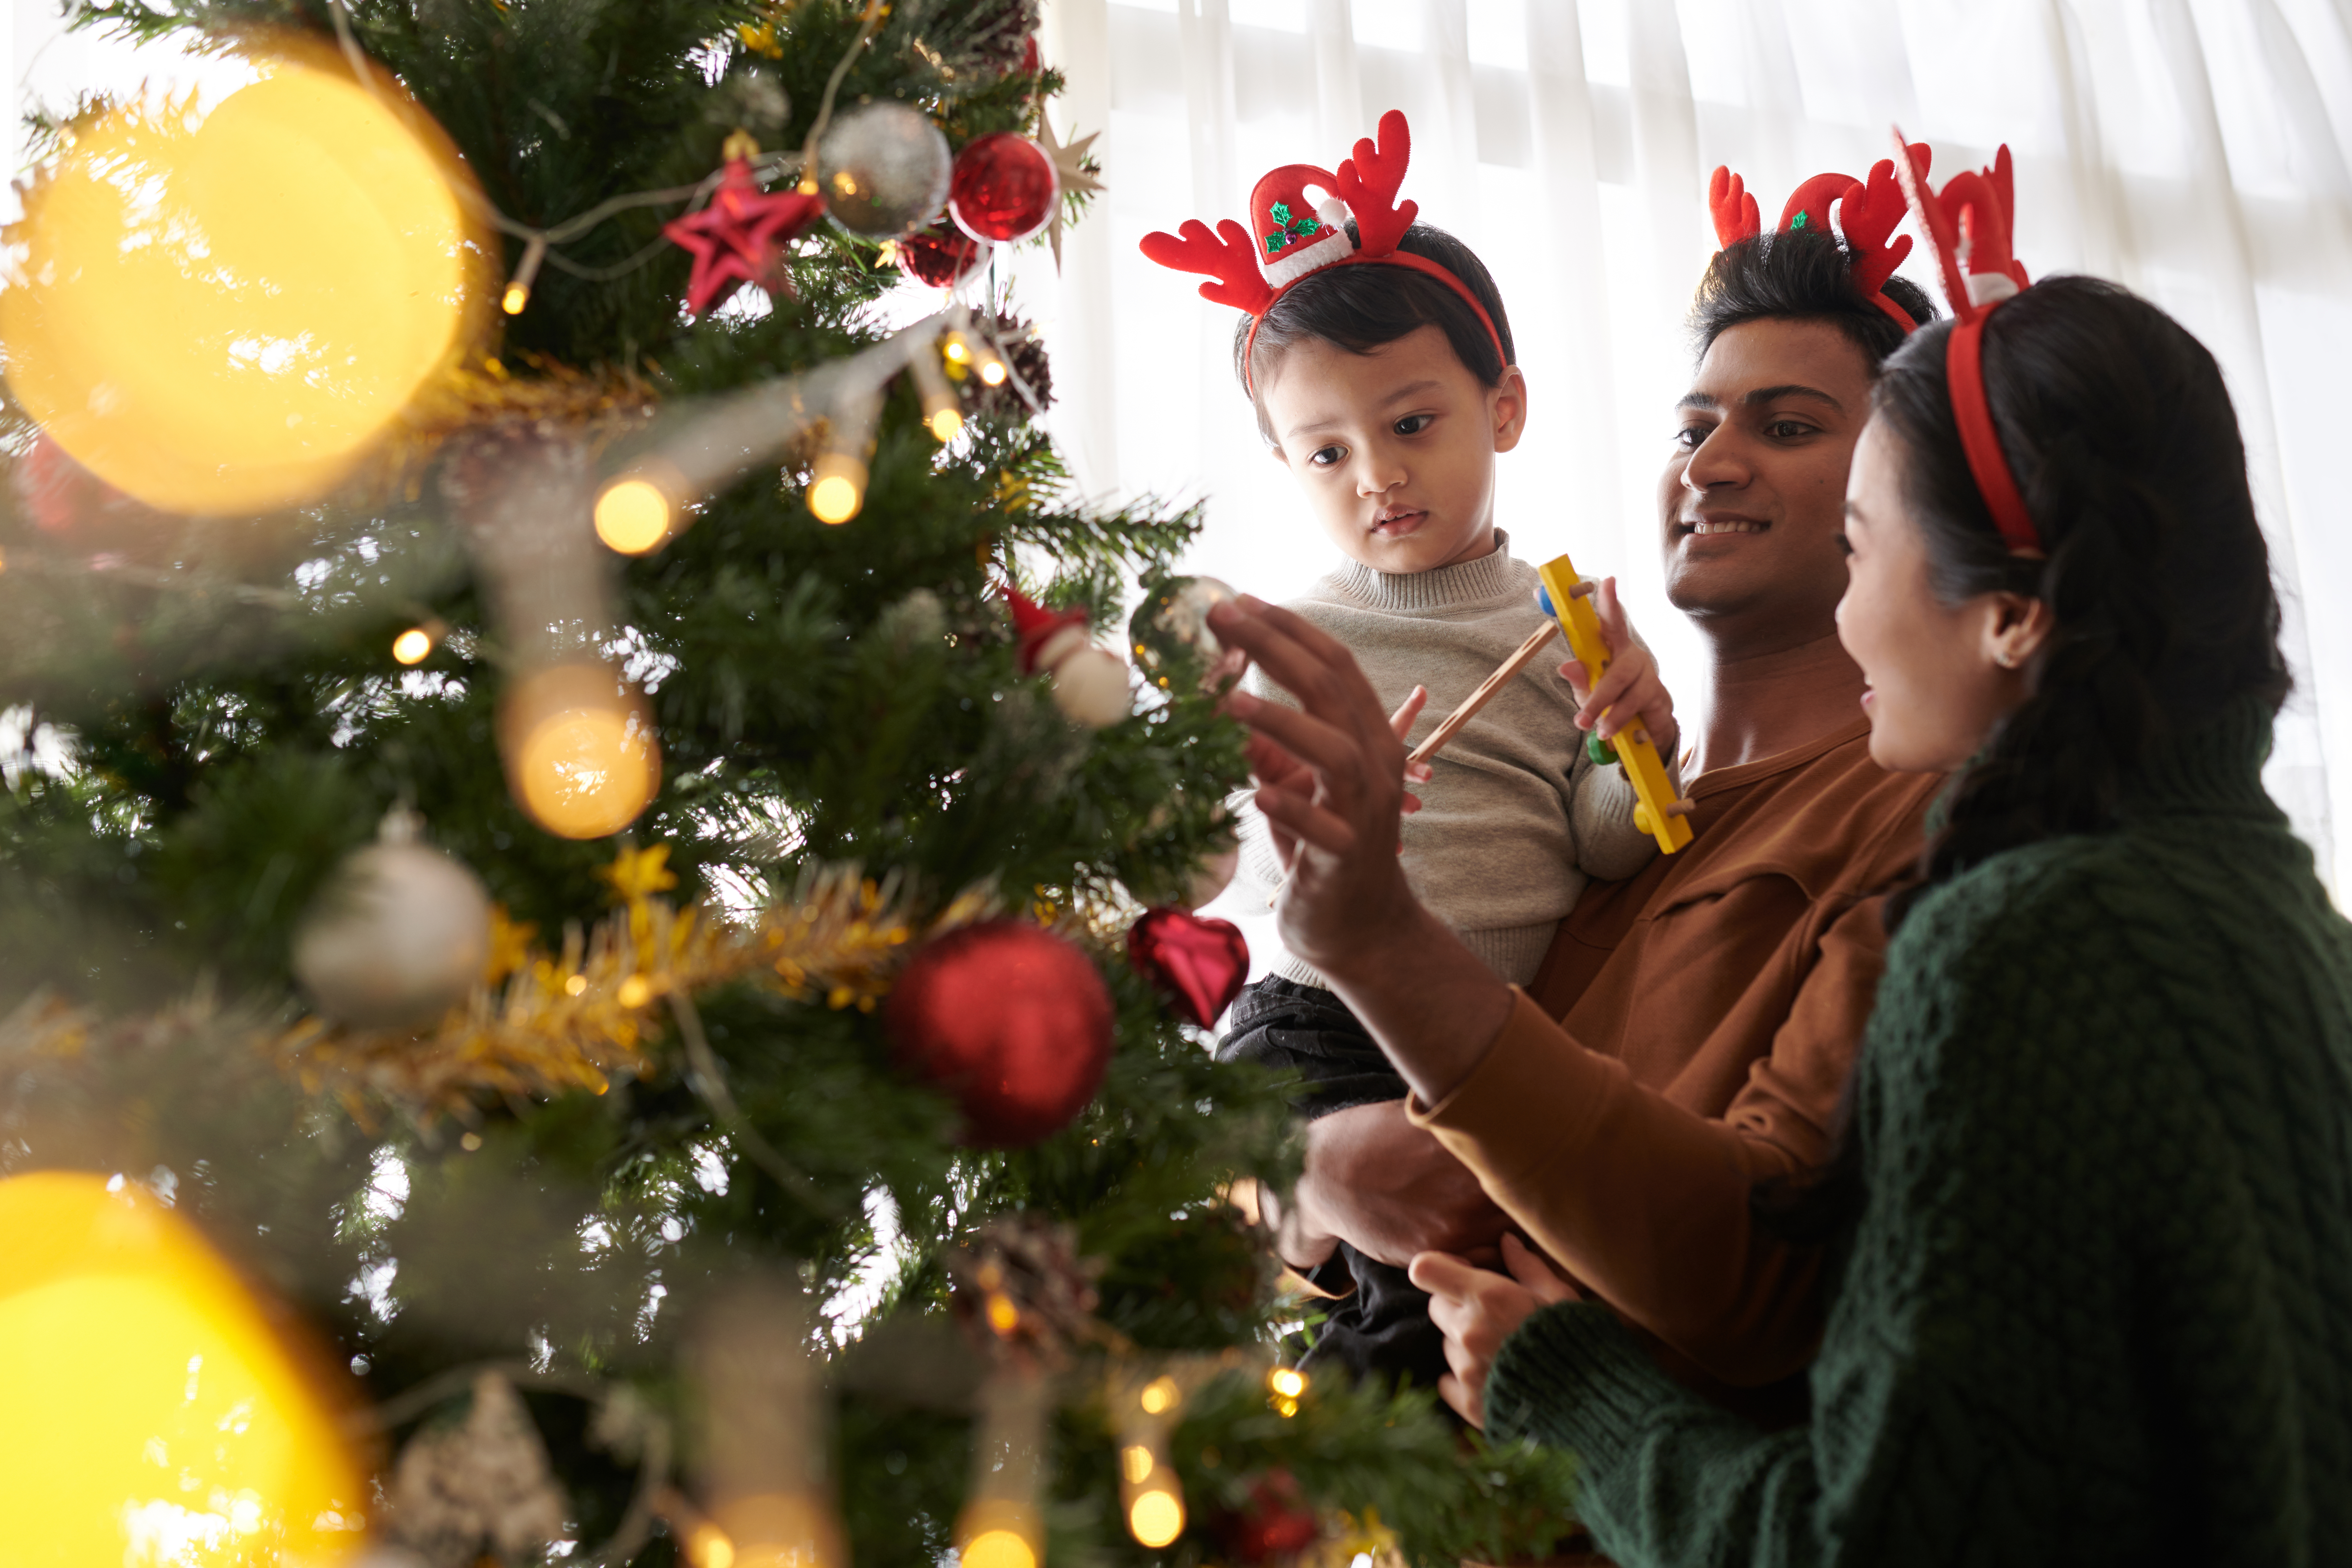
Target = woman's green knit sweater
(2098,1307)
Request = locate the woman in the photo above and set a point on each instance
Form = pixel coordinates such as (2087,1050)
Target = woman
(2094,1219)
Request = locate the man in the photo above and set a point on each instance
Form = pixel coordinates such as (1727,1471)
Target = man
(1689,1036)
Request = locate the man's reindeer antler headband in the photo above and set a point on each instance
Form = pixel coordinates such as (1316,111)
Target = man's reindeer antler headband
(1868,217)
(1296,239)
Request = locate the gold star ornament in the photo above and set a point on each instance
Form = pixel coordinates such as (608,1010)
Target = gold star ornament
(1069,165)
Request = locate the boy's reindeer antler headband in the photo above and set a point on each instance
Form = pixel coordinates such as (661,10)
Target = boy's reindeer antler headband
(1968,225)
(1296,239)
(1868,217)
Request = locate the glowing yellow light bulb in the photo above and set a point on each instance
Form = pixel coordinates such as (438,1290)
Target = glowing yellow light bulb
(516,298)
(1135,1463)
(192,337)
(158,1415)
(1002,1315)
(581,754)
(955,349)
(947,423)
(577,985)
(993,373)
(998,1549)
(844,181)
(411,646)
(707,1546)
(1156,1518)
(633,515)
(837,492)
(634,992)
(1158,1396)
(1286,1381)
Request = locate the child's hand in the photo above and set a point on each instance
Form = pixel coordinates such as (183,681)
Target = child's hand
(1631,688)
(1401,722)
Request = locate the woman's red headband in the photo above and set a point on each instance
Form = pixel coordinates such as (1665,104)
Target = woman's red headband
(1298,235)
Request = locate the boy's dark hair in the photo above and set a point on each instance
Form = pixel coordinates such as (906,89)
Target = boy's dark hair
(1807,275)
(1362,306)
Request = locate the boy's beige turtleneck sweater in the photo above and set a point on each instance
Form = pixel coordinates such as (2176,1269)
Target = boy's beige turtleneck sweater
(1515,819)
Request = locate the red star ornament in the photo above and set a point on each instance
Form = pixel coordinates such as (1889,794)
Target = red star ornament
(740,236)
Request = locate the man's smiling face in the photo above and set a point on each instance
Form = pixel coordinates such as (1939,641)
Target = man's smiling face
(1751,503)
(1394,448)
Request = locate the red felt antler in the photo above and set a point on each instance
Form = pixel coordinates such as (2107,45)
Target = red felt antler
(1808,203)
(1733,209)
(1369,182)
(1226,256)
(1870,215)
(1968,225)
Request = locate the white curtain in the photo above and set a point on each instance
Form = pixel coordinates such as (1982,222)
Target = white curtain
(2198,151)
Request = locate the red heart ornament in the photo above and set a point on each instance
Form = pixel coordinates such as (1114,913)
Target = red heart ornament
(1200,965)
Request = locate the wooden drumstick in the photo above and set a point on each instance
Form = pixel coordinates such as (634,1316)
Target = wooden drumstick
(1435,741)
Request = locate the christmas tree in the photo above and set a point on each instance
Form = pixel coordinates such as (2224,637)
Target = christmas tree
(563,808)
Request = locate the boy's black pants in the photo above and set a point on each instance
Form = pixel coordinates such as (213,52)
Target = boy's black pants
(1383,1328)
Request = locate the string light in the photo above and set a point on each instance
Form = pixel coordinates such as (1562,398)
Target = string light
(1286,1384)
(1156,1518)
(998,1549)
(518,295)
(1158,1396)
(837,489)
(707,1546)
(943,410)
(634,514)
(411,646)
(581,753)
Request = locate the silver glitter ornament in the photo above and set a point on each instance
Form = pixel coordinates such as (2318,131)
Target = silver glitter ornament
(883,168)
(400,935)
(1171,626)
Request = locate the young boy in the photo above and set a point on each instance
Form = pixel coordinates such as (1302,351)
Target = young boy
(1387,391)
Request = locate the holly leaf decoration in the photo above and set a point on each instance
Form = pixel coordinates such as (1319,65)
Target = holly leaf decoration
(1282,213)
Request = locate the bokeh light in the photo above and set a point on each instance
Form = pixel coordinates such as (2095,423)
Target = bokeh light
(837,491)
(153,1415)
(1156,1518)
(998,1549)
(581,754)
(633,515)
(411,646)
(220,308)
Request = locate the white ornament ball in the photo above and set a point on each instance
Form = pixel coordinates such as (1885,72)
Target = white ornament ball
(883,168)
(400,935)
(1090,686)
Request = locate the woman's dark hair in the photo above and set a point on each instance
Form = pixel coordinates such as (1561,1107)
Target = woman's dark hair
(1804,276)
(2120,431)
(1362,307)
(2121,435)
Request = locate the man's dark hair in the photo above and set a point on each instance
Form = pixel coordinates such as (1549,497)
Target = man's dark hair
(1361,307)
(1805,276)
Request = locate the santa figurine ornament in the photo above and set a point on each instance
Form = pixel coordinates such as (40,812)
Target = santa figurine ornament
(1968,223)
(1863,213)
(1299,225)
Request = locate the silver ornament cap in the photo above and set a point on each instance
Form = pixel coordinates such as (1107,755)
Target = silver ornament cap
(883,168)
(399,936)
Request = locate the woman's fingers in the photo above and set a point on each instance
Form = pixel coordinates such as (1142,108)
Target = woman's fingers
(1466,1404)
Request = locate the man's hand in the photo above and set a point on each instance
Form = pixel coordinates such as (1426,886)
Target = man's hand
(1477,1310)
(1631,688)
(1388,1189)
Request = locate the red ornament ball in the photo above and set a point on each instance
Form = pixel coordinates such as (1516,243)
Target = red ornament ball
(941,255)
(1276,1521)
(1004,188)
(1011,1020)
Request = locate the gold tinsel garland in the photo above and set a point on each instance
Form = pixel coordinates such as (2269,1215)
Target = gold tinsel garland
(542,1023)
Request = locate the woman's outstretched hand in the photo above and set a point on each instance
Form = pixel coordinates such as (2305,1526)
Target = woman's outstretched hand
(1477,1310)
(1331,775)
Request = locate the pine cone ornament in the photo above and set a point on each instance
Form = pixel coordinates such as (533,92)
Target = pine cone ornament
(1025,353)
(1020,1283)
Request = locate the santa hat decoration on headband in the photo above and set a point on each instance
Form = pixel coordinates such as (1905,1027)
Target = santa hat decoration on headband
(1293,234)
(1968,225)
(1868,217)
